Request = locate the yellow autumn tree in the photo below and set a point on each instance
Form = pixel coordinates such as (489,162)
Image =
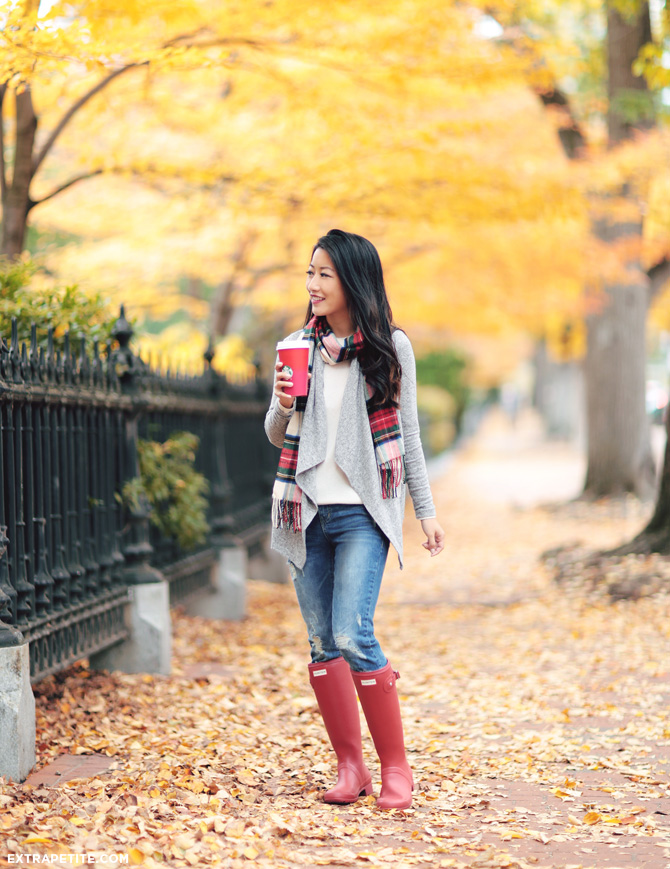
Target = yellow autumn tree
(60,58)
(405,125)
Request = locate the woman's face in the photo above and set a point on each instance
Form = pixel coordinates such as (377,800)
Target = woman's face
(325,289)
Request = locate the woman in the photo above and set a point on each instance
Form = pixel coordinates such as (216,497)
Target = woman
(349,448)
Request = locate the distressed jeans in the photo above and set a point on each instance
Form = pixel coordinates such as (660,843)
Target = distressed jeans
(339,585)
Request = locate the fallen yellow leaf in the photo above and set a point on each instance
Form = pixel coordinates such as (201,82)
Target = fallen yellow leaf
(235,829)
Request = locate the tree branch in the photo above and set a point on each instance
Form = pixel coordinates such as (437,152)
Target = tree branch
(178,40)
(75,180)
(192,40)
(569,132)
(141,175)
(3,172)
(256,274)
(658,274)
(74,108)
(215,41)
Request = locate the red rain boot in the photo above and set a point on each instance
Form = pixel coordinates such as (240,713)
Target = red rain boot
(336,697)
(379,699)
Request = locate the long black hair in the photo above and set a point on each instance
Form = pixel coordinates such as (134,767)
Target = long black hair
(359,269)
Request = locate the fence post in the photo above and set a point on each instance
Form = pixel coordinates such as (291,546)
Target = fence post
(17,703)
(149,645)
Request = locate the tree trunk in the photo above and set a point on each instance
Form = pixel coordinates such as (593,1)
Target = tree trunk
(655,537)
(625,38)
(619,449)
(16,202)
(223,301)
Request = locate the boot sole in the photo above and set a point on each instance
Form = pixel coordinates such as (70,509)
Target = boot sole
(365,792)
(388,808)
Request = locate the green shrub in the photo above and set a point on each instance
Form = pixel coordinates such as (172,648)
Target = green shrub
(61,308)
(447,369)
(174,489)
(437,409)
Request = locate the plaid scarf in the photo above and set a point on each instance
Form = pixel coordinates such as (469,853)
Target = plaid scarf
(384,427)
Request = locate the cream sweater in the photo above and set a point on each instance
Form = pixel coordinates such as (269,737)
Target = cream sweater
(332,484)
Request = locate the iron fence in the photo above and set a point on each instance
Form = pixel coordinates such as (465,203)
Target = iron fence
(70,549)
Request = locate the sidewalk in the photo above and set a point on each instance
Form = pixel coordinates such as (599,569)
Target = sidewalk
(536,718)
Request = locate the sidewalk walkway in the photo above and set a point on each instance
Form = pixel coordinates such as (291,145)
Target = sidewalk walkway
(536,717)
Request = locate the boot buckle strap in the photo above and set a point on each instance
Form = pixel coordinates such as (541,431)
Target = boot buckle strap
(389,682)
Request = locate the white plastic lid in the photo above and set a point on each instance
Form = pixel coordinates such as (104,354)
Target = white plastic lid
(292,345)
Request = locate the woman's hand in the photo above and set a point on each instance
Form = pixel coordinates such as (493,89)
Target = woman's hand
(434,536)
(283,381)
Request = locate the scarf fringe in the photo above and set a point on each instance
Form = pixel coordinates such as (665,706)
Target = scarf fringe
(287,514)
(392,476)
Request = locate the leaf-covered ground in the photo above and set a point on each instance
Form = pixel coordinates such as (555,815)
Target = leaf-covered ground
(536,713)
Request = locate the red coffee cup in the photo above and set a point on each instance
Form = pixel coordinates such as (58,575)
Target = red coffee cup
(294,356)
